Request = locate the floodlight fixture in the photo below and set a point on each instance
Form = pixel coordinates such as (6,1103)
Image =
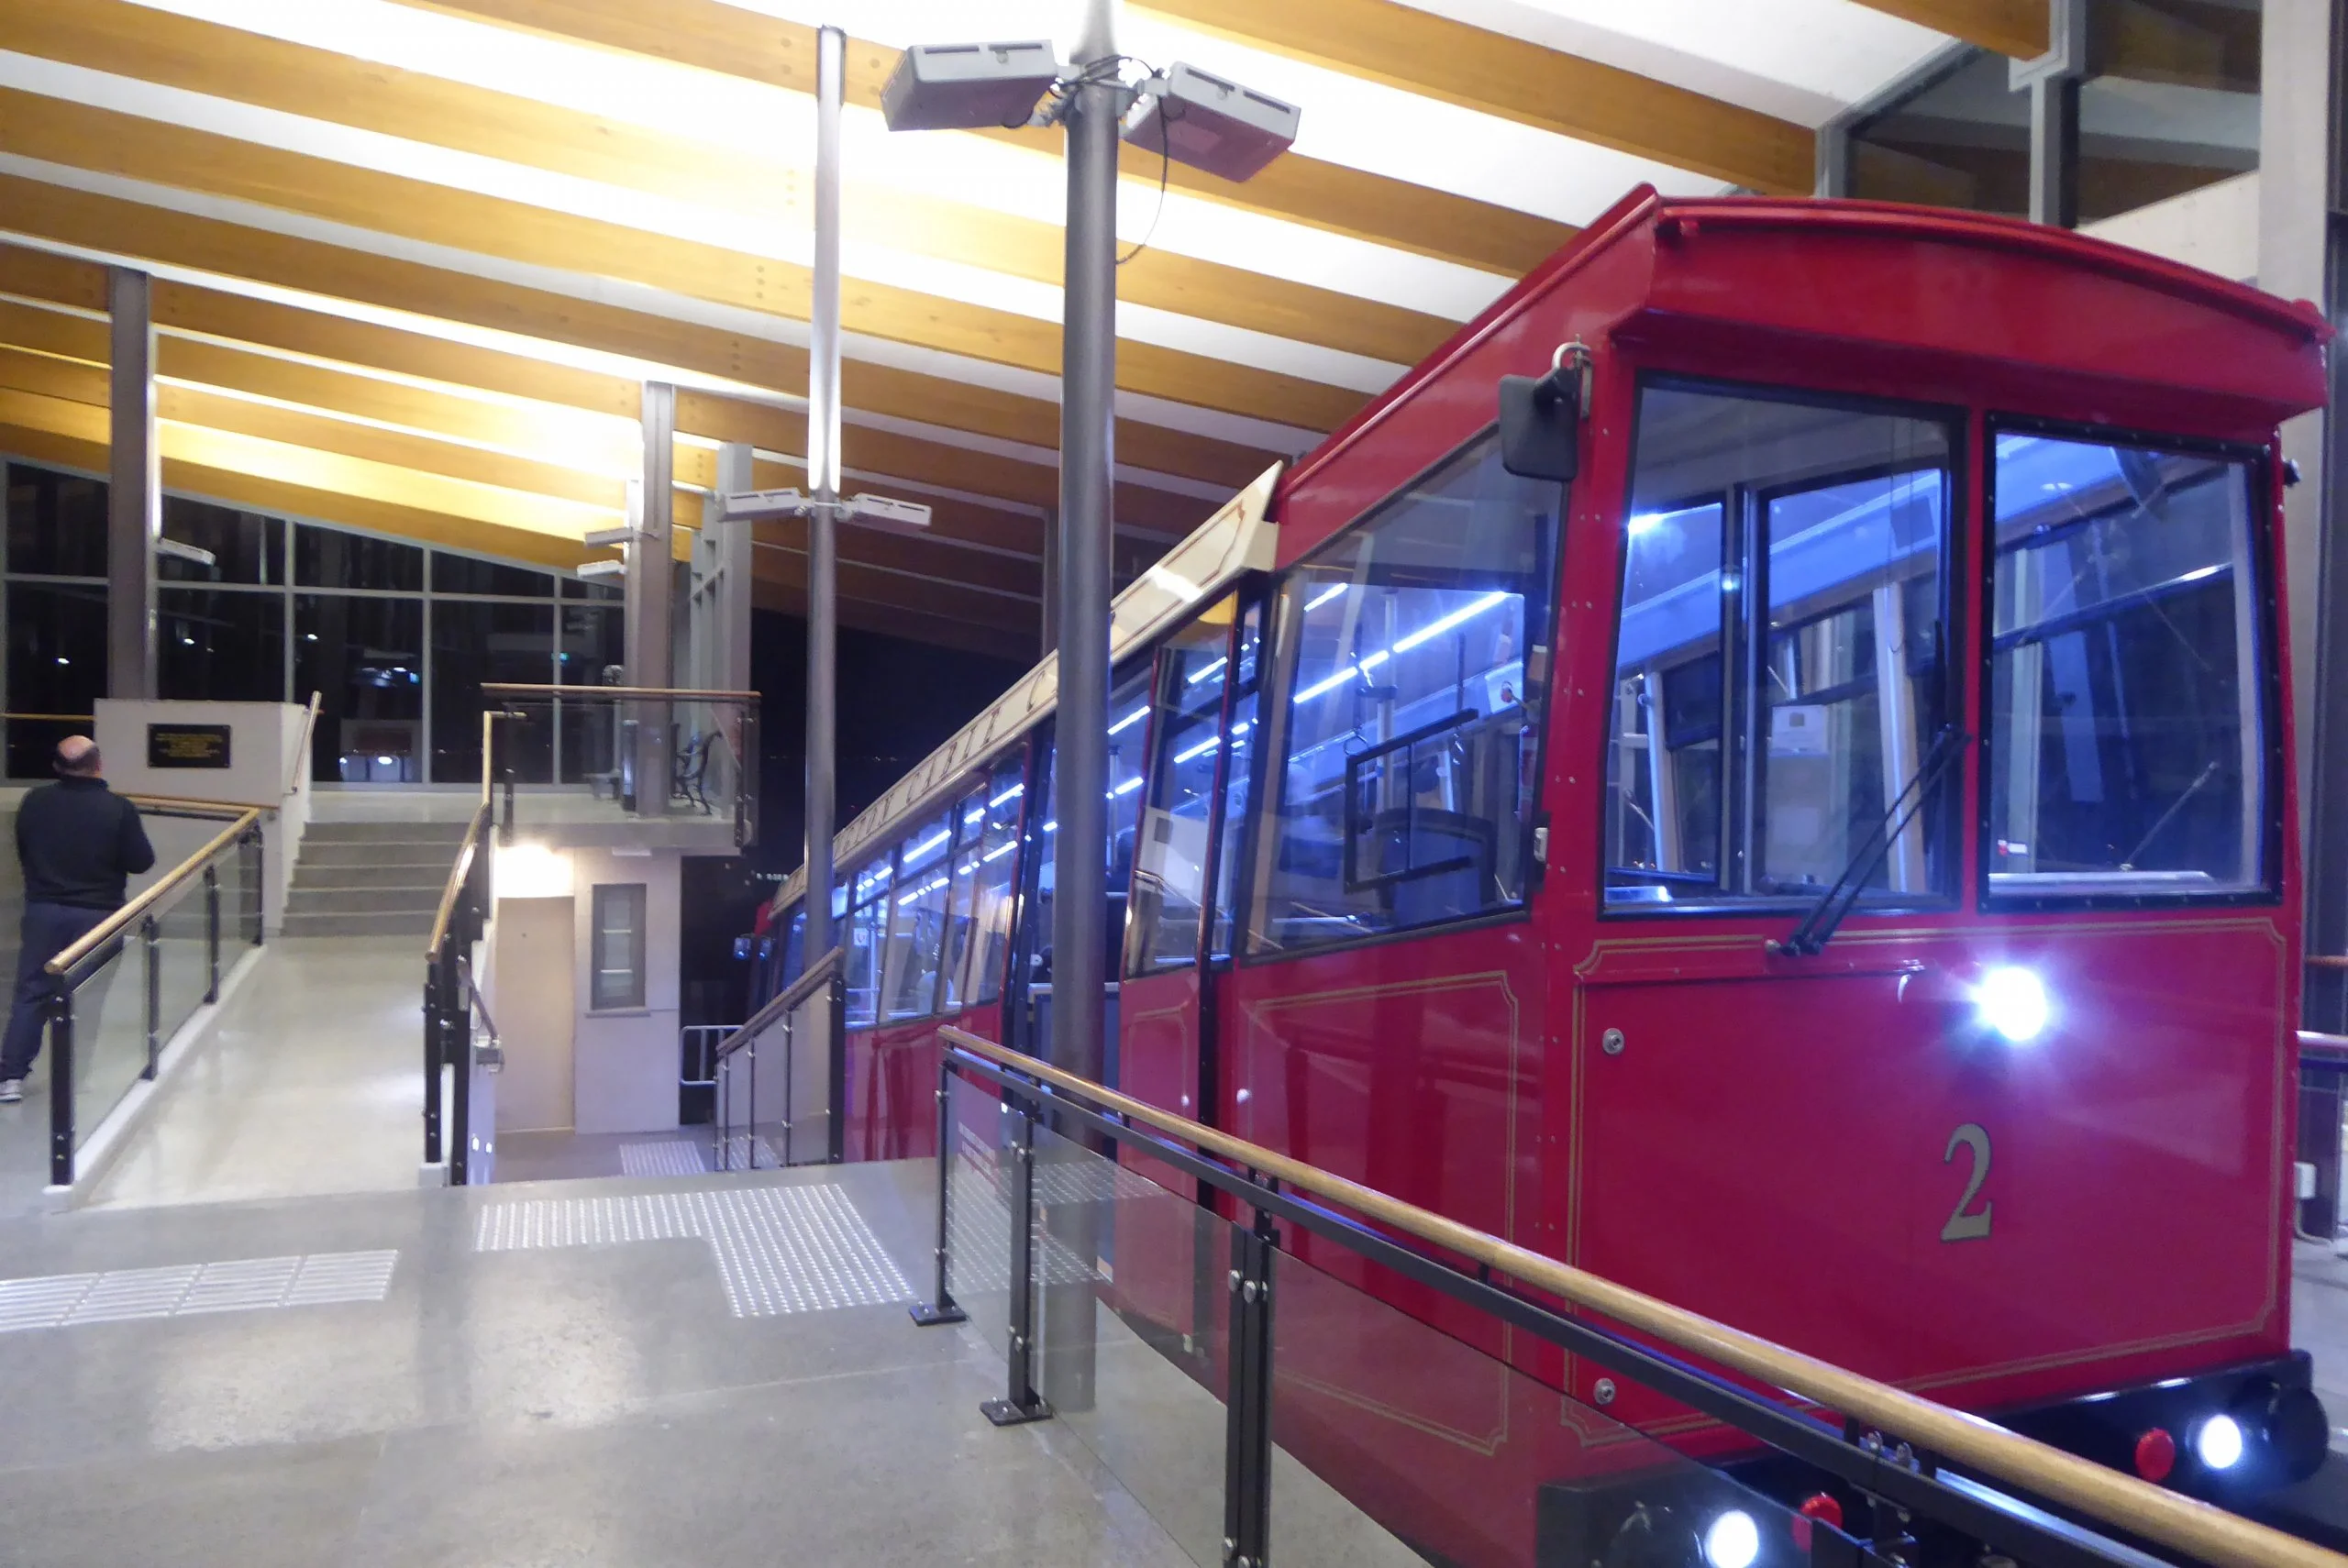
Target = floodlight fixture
(602,568)
(607,538)
(873,511)
(178,551)
(968,86)
(1201,120)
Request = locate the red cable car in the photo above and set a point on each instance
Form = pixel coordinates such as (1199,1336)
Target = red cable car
(1812,843)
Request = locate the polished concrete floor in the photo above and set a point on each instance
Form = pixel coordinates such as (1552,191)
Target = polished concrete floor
(312,1084)
(529,1404)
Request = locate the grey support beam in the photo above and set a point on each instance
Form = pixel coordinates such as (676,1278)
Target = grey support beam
(652,578)
(135,489)
(824,487)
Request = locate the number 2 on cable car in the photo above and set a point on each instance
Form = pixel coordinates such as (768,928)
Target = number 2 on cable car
(1962,1226)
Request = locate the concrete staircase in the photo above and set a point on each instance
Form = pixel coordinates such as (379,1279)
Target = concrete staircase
(371,879)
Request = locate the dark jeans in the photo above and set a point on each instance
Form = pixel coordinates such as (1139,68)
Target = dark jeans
(49,930)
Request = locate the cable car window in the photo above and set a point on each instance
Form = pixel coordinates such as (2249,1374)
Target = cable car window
(1169,871)
(1780,676)
(1247,706)
(1406,790)
(985,866)
(1129,731)
(2125,746)
(867,922)
(916,922)
(794,948)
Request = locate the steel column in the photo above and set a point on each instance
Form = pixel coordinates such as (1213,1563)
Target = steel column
(2055,151)
(1080,752)
(824,489)
(432,1005)
(650,590)
(151,955)
(134,489)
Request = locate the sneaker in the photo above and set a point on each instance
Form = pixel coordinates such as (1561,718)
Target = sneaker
(11,1091)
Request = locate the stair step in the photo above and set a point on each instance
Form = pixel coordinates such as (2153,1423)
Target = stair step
(361,901)
(449,834)
(308,877)
(380,852)
(396,922)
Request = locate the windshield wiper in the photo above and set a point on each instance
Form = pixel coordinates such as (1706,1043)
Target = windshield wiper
(1817,927)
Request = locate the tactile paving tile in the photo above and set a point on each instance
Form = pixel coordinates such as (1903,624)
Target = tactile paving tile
(779,1248)
(670,1156)
(242,1285)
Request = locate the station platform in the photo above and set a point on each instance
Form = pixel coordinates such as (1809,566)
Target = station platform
(455,1376)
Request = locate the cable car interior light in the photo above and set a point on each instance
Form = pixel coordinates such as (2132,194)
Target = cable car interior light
(2013,1002)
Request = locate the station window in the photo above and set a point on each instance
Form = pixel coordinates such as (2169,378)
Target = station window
(1411,702)
(1780,677)
(617,912)
(2125,750)
(1169,871)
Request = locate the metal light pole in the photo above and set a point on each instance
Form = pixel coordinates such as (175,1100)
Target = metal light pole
(1088,421)
(823,488)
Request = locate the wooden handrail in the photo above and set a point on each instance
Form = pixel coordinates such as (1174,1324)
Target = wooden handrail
(798,991)
(56,718)
(2132,1507)
(301,751)
(2326,961)
(511,688)
(457,874)
(114,924)
(209,808)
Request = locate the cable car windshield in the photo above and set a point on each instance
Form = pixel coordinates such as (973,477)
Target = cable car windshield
(2125,750)
(1779,665)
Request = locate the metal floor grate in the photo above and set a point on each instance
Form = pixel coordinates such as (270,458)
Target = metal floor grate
(779,1248)
(244,1285)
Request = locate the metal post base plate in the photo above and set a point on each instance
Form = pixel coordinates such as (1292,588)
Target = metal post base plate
(1004,1413)
(925,1316)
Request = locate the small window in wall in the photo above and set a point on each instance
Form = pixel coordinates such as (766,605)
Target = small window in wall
(1414,686)
(2126,754)
(618,977)
(1780,676)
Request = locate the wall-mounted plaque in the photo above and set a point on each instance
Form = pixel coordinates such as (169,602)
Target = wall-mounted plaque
(187,745)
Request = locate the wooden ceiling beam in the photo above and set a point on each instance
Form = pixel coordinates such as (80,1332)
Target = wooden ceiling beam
(1435,57)
(79,136)
(255,492)
(146,234)
(2013,27)
(710,35)
(144,44)
(904,592)
(271,457)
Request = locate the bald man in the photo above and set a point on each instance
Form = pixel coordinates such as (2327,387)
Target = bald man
(79,845)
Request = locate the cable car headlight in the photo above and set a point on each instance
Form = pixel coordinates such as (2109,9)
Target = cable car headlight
(2218,1445)
(1731,1540)
(2013,1002)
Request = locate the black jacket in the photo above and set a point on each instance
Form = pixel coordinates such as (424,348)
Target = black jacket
(79,843)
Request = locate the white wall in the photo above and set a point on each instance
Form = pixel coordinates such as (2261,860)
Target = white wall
(263,739)
(625,1061)
(2214,227)
(528,972)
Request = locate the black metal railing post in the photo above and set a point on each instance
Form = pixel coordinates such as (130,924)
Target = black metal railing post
(835,1115)
(1247,1443)
(746,781)
(457,1044)
(151,956)
(750,1121)
(212,930)
(940,1307)
(432,1060)
(61,1085)
(256,895)
(1021,1403)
